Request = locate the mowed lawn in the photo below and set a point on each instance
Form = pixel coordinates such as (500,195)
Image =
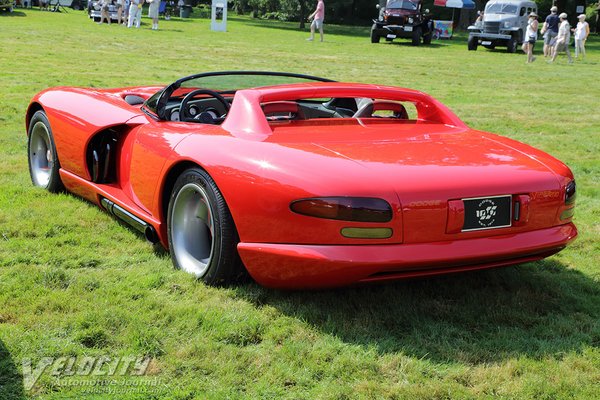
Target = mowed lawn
(76,283)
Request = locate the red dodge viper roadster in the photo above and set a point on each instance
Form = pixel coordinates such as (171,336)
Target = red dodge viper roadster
(301,181)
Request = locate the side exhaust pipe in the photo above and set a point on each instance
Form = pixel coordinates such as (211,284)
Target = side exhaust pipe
(131,220)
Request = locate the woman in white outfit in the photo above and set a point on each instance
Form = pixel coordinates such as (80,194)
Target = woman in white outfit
(530,37)
(135,13)
(153,13)
(582,31)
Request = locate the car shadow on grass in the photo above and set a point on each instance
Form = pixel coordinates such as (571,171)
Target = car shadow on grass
(11,380)
(535,310)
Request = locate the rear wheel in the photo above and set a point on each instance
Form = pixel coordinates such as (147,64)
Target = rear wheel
(416,36)
(472,43)
(374,35)
(42,156)
(202,236)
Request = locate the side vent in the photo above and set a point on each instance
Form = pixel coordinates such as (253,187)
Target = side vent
(101,155)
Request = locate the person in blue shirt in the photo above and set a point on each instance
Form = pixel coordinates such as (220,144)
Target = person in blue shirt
(550,31)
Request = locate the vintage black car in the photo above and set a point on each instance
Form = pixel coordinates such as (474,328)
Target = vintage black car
(402,19)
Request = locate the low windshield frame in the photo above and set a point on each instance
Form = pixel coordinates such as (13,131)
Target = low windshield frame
(158,102)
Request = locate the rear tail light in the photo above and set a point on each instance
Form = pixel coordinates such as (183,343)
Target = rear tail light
(360,209)
(570,193)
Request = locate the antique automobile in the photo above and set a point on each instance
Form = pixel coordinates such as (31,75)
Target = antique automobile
(504,23)
(301,181)
(95,10)
(6,5)
(402,19)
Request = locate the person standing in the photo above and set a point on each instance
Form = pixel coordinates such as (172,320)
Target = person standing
(563,38)
(318,16)
(153,13)
(582,31)
(550,31)
(120,9)
(530,37)
(135,13)
(104,5)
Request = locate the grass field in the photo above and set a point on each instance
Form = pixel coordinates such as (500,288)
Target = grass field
(75,283)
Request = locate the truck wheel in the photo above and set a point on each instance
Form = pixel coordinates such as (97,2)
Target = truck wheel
(427,38)
(512,45)
(416,36)
(374,36)
(472,43)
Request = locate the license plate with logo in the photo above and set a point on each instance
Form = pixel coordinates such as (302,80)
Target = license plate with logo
(486,42)
(390,36)
(487,213)
(408,29)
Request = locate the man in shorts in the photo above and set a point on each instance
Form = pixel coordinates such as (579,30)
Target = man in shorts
(317,20)
(550,31)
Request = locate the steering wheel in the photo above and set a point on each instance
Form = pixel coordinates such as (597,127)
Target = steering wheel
(204,117)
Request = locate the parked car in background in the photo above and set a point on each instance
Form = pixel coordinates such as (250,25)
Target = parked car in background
(504,24)
(402,19)
(6,5)
(95,11)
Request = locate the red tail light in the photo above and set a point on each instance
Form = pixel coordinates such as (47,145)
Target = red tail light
(360,209)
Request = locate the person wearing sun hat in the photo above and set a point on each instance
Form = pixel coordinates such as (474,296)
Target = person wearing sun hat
(530,37)
(550,30)
(581,32)
(563,38)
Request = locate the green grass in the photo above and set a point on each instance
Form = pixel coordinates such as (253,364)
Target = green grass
(74,282)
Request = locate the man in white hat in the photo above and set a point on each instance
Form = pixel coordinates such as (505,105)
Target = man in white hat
(582,31)
(563,38)
(550,30)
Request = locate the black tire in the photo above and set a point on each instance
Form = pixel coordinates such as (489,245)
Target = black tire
(472,43)
(201,232)
(41,154)
(427,38)
(416,36)
(374,36)
(511,47)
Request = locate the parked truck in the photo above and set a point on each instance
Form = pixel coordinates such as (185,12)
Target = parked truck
(504,23)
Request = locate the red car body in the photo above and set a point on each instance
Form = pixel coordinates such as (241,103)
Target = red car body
(424,169)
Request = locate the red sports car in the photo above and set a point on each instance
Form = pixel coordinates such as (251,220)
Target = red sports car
(301,181)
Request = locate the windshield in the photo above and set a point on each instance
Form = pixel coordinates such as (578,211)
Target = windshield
(500,8)
(404,4)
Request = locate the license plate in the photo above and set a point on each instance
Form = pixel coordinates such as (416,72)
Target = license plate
(487,213)
(486,42)
(390,36)
(408,29)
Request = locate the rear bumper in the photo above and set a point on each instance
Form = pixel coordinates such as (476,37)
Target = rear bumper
(313,266)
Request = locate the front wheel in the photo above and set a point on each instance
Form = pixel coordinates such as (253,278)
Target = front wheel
(42,156)
(416,36)
(472,43)
(427,38)
(374,36)
(511,47)
(201,232)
